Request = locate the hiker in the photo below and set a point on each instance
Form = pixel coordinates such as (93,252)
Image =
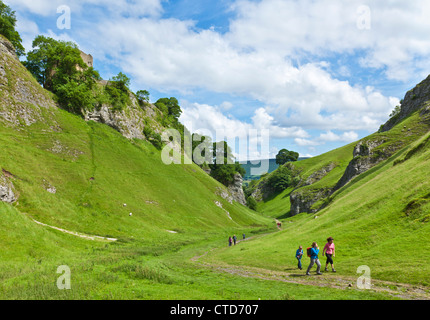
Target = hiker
(230,241)
(234,239)
(330,253)
(314,258)
(299,255)
(243,236)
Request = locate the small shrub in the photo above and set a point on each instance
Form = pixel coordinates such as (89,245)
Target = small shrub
(251,203)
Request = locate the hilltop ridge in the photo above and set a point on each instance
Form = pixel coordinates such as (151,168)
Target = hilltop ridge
(321,177)
(58,159)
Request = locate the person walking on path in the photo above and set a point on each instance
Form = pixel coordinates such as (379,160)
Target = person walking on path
(299,255)
(230,241)
(234,239)
(329,250)
(314,259)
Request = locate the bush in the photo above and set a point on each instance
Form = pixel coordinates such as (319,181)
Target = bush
(251,203)
(153,137)
(55,66)
(118,92)
(142,97)
(7,28)
(282,178)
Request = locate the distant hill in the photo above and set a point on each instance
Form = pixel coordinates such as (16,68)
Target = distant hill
(266,166)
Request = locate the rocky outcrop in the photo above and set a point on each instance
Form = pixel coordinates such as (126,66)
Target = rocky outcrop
(130,122)
(22,100)
(302,201)
(6,190)
(225,194)
(318,175)
(415,99)
(364,158)
(6,47)
(262,191)
(236,189)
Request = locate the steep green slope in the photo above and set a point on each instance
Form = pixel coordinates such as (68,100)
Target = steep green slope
(87,178)
(279,205)
(95,175)
(380,219)
(323,175)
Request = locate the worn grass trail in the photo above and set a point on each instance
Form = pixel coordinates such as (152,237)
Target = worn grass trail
(295,276)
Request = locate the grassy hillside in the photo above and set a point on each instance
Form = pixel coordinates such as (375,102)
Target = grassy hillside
(278,205)
(398,138)
(381,219)
(86,178)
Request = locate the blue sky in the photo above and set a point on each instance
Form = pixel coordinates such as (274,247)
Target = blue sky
(316,74)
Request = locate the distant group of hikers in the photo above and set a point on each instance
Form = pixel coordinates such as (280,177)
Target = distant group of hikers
(233,240)
(313,251)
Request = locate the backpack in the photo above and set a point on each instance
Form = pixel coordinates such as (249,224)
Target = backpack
(309,252)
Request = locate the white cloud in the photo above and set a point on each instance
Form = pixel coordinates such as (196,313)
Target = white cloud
(171,55)
(27,29)
(329,136)
(276,51)
(226,105)
(47,8)
(398,31)
(306,142)
(208,120)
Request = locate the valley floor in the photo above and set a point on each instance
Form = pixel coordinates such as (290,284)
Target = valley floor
(293,275)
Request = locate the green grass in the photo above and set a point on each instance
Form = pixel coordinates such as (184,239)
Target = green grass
(278,206)
(368,220)
(95,171)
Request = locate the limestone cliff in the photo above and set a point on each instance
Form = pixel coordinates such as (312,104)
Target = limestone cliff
(416,99)
(236,189)
(131,121)
(6,190)
(22,101)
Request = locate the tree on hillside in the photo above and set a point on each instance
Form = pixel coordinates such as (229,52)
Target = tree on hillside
(53,61)
(202,149)
(7,28)
(285,156)
(58,66)
(118,91)
(142,96)
(395,112)
(224,168)
(283,177)
(169,106)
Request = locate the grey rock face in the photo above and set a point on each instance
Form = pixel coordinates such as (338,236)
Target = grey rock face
(21,98)
(414,100)
(318,175)
(303,201)
(130,126)
(236,189)
(364,159)
(225,194)
(6,191)
(130,122)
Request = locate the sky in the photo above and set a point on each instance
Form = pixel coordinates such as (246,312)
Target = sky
(309,76)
